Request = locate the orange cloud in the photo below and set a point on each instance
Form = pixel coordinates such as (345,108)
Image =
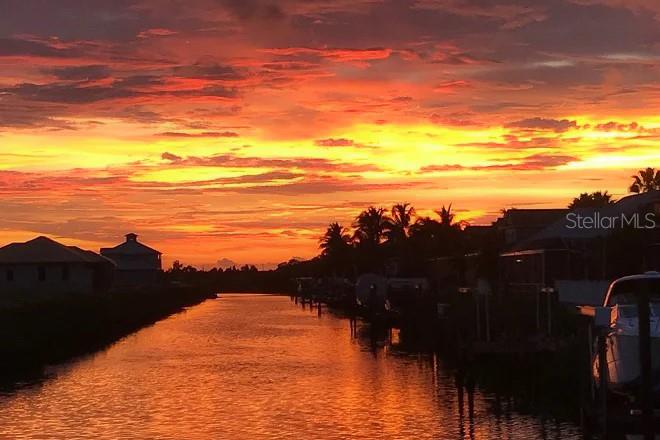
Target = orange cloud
(239,129)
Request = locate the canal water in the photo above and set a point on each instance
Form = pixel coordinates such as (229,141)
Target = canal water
(259,367)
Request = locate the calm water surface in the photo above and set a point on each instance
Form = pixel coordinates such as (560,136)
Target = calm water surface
(258,367)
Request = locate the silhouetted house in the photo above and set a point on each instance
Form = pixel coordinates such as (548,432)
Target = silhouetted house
(463,270)
(483,245)
(45,266)
(137,263)
(517,225)
(478,260)
(478,236)
(590,245)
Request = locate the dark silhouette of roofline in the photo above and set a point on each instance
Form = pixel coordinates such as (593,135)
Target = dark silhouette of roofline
(131,240)
(40,250)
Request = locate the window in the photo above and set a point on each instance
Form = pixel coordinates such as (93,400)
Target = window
(41,272)
(65,273)
(10,275)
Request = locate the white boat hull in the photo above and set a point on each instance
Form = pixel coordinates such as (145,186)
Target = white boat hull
(623,364)
(622,343)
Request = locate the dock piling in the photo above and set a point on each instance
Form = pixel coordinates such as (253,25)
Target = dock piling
(603,373)
(646,383)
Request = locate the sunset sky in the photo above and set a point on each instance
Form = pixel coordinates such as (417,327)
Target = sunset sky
(240,128)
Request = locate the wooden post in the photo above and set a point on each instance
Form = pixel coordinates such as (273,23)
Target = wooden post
(602,367)
(487,307)
(646,382)
(590,339)
(538,308)
(548,296)
(586,381)
(476,296)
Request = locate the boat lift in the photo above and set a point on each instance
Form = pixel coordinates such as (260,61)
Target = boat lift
(642,415)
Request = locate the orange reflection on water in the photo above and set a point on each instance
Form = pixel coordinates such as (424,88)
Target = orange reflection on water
(260,367)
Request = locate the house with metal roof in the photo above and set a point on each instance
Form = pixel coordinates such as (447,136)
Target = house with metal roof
(586,248)
(137,264)
(44,266)
(517,225)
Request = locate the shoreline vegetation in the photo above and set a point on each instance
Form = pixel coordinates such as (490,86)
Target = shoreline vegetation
(47,330)
(402,242)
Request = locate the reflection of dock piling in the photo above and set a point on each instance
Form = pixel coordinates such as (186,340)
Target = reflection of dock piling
(472,324)
(465,384)
(646,383)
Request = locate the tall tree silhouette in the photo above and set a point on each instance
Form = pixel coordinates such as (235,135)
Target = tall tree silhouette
(446,217)
(426,237)
(401,220)
(645,181)
(592,200)
(434,238)
(335,247)
(370,226)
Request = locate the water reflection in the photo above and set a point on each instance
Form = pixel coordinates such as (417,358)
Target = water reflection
(260,367)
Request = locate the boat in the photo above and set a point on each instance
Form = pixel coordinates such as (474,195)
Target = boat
(406,293)
(378,293)
(371,292)
(622,338)
(306,287)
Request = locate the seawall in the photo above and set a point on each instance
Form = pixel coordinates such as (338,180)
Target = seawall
(34,334)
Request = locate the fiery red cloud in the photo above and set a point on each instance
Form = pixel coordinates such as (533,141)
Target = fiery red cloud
(240,128)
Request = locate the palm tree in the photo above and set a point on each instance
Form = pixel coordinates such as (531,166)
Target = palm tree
(592,200)
(335,247)
(446,216)
(370,226)
(336,241)
(426,237)
(433,238)
(425,227)
(645,181)
(399,226)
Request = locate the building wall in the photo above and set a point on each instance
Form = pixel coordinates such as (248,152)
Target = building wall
(46,278)
(127,278)
(135,262)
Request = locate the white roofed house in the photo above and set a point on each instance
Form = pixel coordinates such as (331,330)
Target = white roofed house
(137,263)
(44,266)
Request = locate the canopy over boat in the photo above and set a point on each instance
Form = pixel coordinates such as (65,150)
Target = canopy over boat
(626,290)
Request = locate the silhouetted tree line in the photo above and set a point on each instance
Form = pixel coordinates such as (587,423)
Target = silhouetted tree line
(393,241)
(381,241)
